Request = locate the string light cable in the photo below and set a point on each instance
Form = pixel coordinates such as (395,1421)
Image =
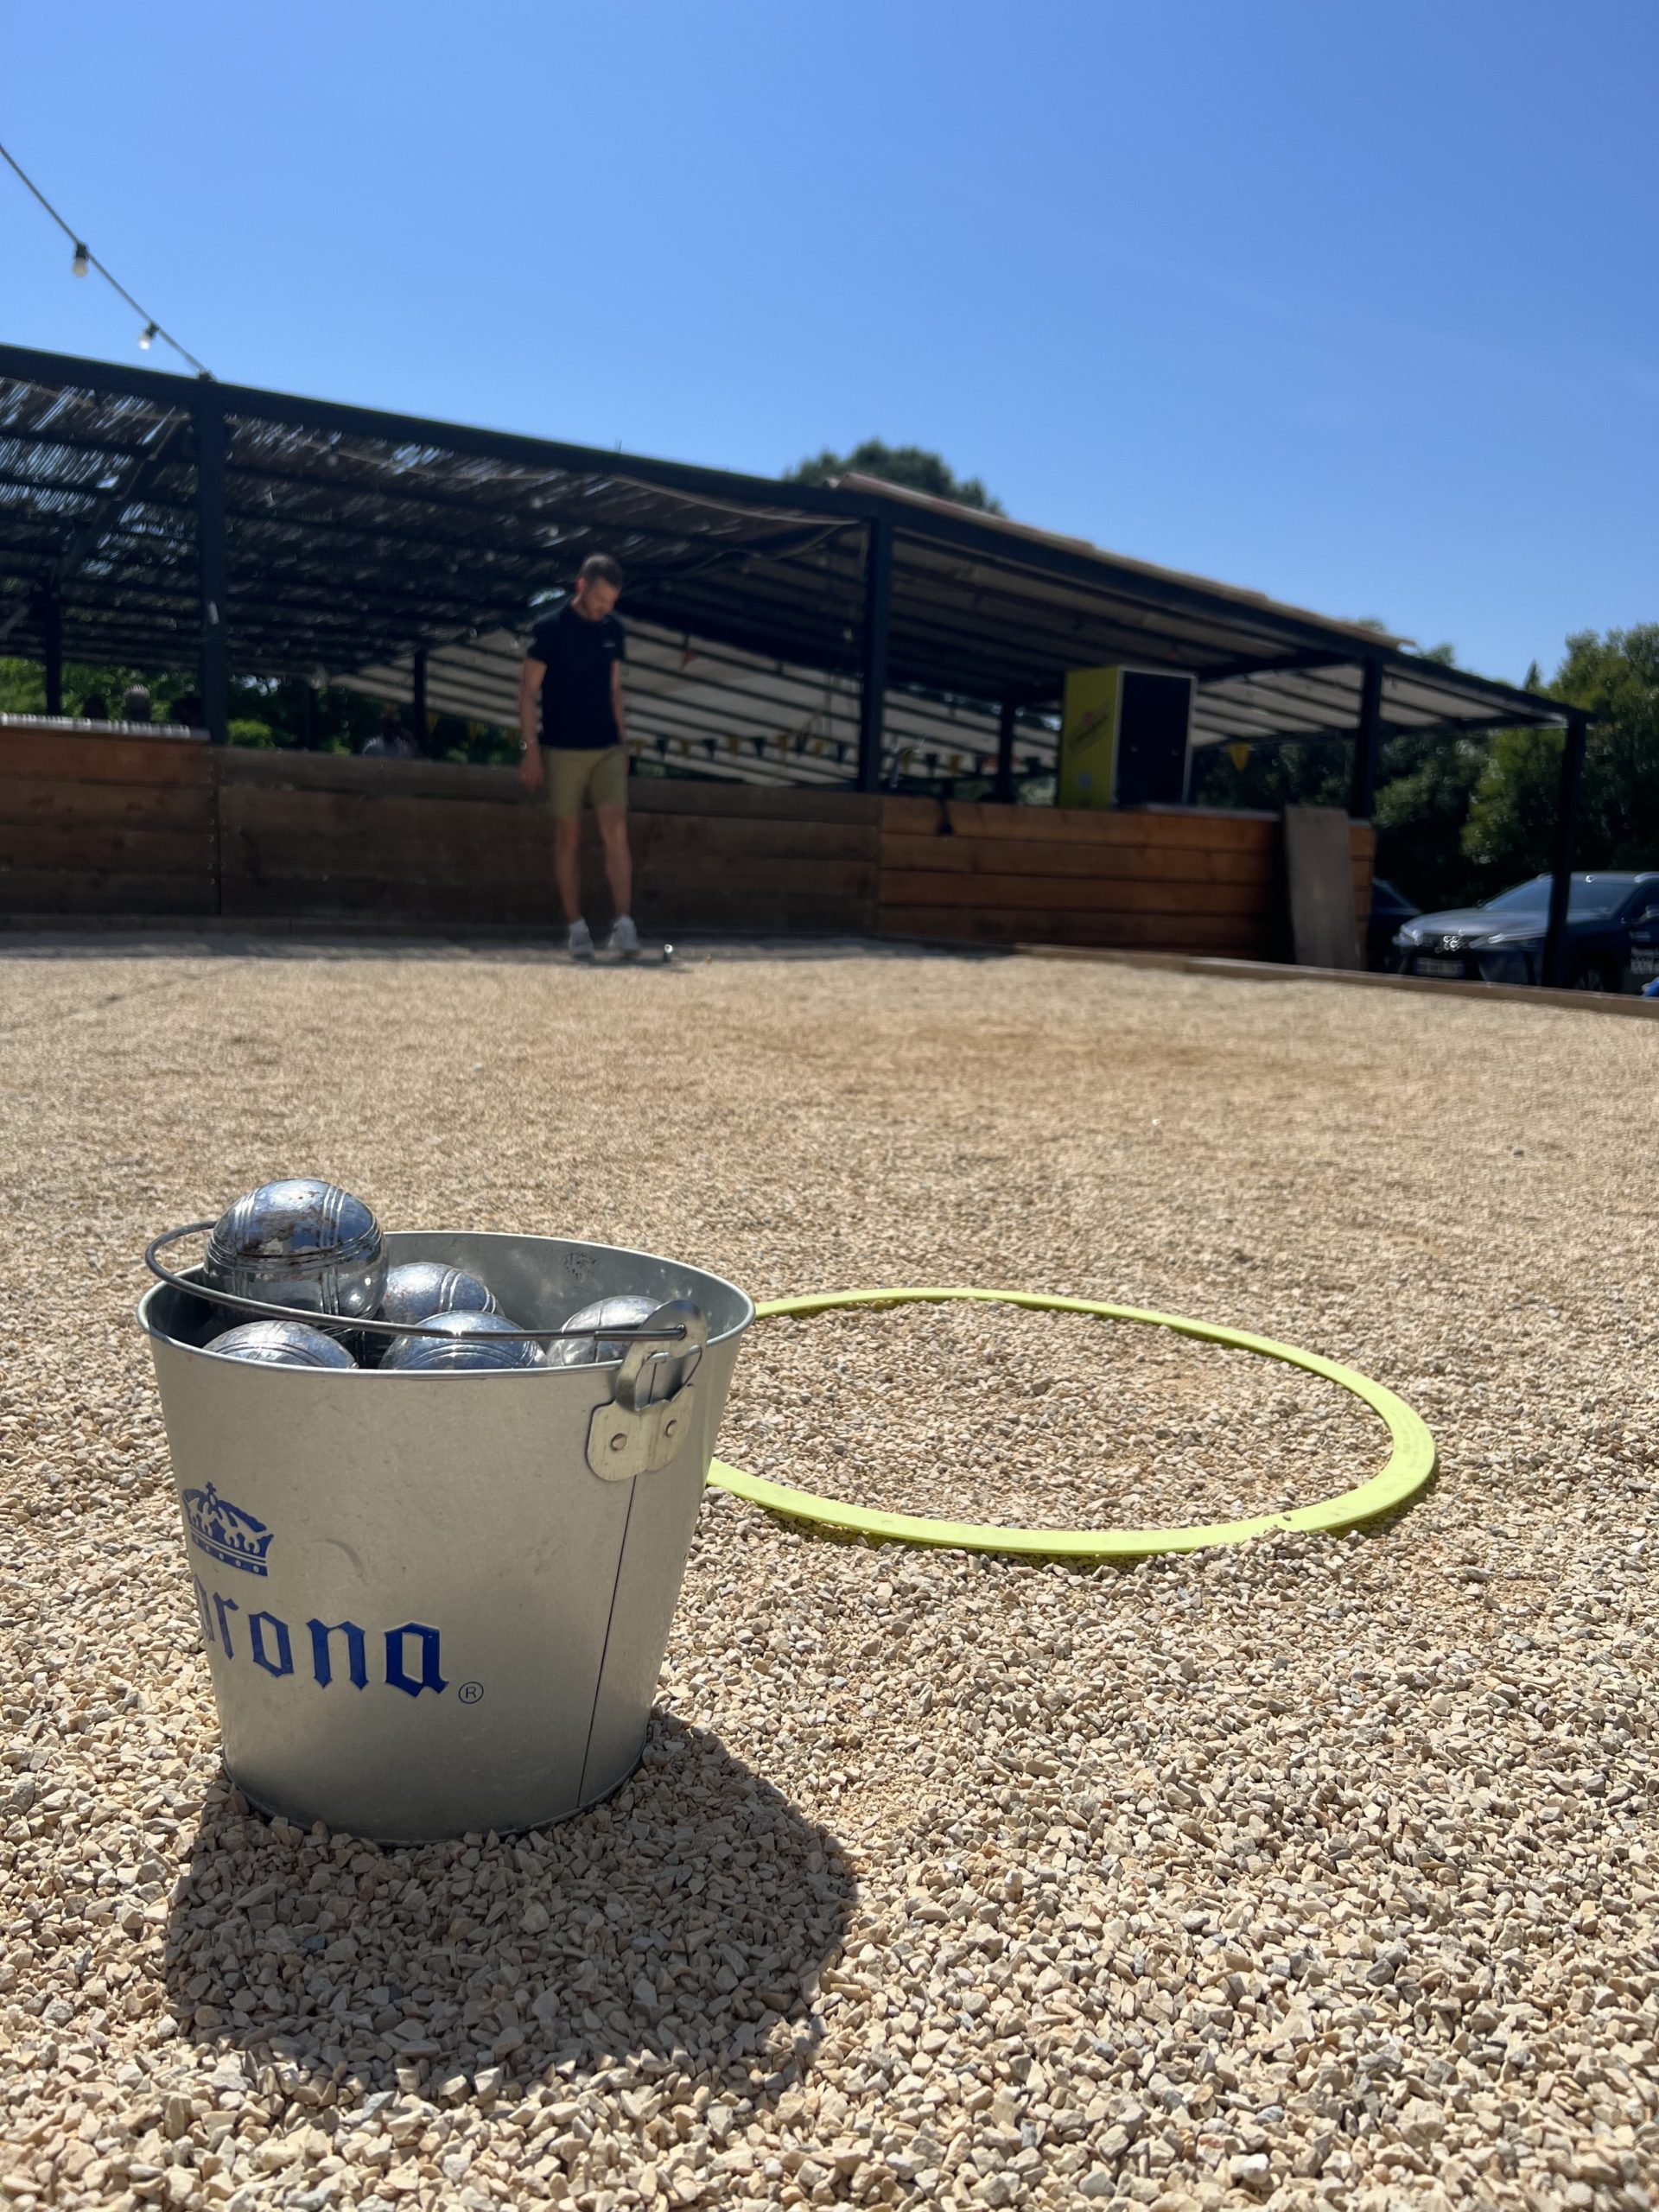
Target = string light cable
(84,258)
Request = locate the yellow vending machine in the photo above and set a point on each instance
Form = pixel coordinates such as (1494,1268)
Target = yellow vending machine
(1124,737)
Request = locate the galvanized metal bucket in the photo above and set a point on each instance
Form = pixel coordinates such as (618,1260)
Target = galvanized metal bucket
(437,1603)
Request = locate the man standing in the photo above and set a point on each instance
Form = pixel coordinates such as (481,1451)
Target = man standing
(575,737)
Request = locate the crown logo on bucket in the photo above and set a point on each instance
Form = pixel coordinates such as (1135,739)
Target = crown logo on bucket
(225,1532)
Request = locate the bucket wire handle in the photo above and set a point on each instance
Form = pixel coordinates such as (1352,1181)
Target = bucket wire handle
(639,1363)
(632,1434)
(261,1309)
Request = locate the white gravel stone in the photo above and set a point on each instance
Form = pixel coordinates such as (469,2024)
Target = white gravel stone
(1317,1873)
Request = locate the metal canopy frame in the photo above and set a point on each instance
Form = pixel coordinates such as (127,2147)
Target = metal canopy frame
(163,521)
(354,535)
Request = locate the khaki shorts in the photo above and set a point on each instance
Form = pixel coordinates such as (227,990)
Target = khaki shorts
(568,777)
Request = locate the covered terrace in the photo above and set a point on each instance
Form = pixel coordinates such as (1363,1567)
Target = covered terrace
(783,633)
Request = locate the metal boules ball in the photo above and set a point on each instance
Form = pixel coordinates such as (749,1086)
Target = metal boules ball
(281,1343)
(469,1340)
(301,1243)
(625,1311)
(416,1292)
(420,1288)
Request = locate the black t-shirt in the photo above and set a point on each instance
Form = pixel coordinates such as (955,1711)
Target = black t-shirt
(577,716)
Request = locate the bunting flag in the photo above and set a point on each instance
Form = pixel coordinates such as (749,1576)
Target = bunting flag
(1238,754)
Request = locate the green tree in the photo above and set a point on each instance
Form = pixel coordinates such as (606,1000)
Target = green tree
(1265,778)
(22,685)
(913,467)
(1512,826)
(1424,786)
(1423,793)
(266,711)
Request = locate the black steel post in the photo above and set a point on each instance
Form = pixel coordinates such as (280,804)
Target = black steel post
(878,629)
(1566,836)
(213,554)
(52,646)
(1007,713)
(1362,802)
(312,718)
(418,701)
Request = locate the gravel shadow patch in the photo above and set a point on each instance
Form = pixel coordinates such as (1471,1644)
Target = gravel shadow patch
(679,1928)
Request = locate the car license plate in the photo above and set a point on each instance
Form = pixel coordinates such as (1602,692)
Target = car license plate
(1427,967)
(1644,966)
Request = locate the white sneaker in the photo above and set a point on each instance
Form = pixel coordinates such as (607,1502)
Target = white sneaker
(579,943)
(625,939)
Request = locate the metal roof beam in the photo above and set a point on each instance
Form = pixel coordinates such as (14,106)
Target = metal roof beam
(32,366)
(1385,732)
(1275,664)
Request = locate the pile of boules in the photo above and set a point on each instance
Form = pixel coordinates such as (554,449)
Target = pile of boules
(305,1243)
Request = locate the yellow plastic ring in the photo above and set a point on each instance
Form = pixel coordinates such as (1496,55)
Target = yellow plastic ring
(1409,1465)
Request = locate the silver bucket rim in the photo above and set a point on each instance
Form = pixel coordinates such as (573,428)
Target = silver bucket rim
(190,1284)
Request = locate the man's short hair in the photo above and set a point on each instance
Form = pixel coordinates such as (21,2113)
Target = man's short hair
(601,569)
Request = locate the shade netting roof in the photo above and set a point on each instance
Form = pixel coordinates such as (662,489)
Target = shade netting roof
(357,537)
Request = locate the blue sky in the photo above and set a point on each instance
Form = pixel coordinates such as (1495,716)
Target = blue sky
(1351,302)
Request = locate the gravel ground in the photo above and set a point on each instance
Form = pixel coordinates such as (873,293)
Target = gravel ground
(1314,1874)
(1040,1420)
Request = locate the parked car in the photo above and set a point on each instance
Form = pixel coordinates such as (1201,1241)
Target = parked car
(1389,908)
(1611,941)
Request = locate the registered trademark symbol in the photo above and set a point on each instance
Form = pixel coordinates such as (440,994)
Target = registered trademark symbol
(470,1692)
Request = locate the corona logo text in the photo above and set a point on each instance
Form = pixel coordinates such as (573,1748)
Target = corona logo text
(406,1658)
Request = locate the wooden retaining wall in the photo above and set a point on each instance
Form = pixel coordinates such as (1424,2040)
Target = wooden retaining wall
(1169,880)
(106,824)
(150,825)
(318,835)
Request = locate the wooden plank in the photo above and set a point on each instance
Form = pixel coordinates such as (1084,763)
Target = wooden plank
(366,898)
(750,802)
(60,759)
(343,896)
(352,814)
(1151,863)
(775,911)
(272,832)
(291,857)
(59,891)
(388,817)
(1106,826)
(753,839)
(854,879)
(269,768)
(299,834)
(688,893)
(266,767)
(154,806)
(91,848)
(1362,847)
(1069,894)
(1149,933)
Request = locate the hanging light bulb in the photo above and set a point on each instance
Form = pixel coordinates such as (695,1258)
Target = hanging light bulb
(147,338)
(82,261)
